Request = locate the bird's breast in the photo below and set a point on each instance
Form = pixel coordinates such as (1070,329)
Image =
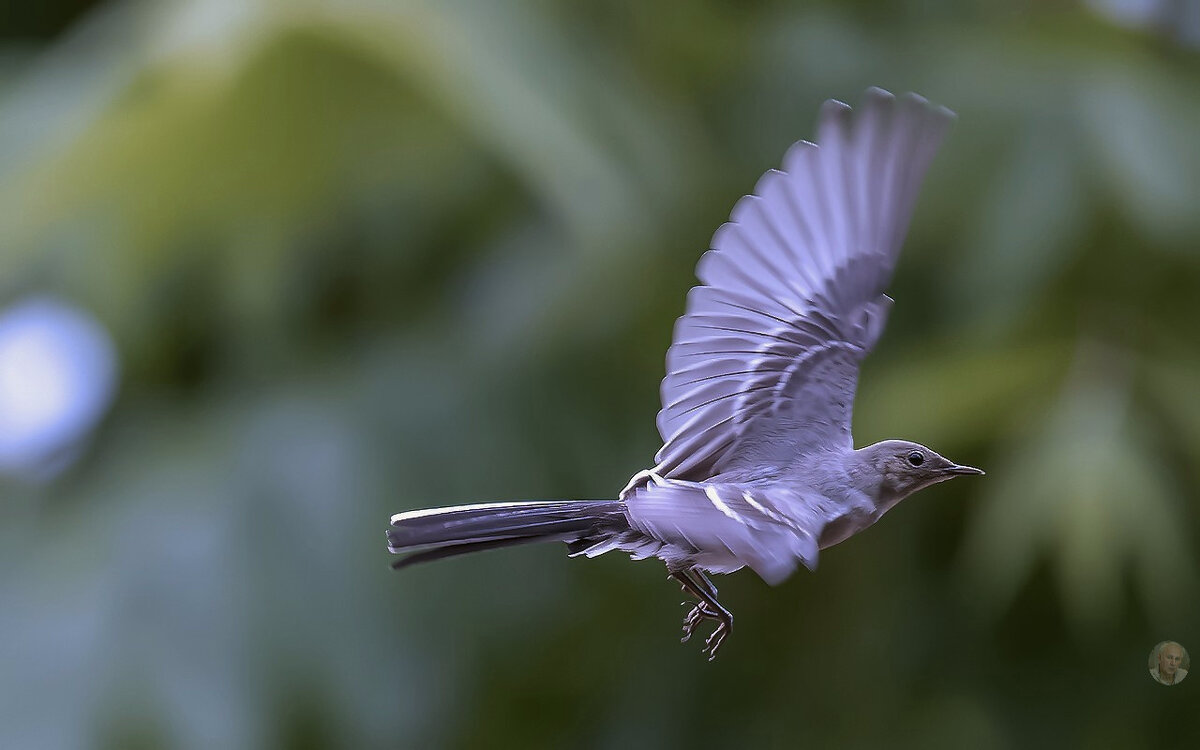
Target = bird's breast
(847,524)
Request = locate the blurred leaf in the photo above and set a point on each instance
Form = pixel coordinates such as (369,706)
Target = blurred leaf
(1143,128)
(366,256)
(1084,492)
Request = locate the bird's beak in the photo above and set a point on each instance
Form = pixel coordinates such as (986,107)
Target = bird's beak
(956,469)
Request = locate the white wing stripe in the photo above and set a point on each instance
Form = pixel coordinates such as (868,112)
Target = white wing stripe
(762,508)
(720,505)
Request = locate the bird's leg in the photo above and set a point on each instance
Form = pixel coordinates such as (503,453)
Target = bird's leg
(724,616)
(697,584)
(704,581)
(698,613)
(701,610)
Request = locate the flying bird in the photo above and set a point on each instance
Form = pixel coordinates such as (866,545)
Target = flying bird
(758,467)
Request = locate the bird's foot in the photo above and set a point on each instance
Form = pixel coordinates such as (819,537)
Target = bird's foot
(724,628)
(699,613)
(697,584)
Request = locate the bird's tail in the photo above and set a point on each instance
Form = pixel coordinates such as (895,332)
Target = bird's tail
(424,535)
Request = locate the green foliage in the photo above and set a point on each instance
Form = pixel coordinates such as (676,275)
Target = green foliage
(360,257)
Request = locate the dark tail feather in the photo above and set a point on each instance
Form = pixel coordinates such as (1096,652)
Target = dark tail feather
(454,550)
(446,532)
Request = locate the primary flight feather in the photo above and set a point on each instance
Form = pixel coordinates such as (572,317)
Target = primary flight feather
(758,467)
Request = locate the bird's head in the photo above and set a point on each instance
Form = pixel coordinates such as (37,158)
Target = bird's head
(902,468)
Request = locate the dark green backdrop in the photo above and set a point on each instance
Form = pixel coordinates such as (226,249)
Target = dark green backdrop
(361,257)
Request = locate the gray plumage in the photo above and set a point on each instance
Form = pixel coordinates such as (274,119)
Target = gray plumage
(758,468)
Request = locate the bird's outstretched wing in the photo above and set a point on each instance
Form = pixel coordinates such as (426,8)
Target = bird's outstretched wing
(764,364)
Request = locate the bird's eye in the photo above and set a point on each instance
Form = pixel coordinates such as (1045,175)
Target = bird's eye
(916,458)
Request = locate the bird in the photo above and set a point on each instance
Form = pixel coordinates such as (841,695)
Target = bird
(758,467)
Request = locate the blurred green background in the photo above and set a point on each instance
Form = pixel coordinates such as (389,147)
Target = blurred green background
(360,257)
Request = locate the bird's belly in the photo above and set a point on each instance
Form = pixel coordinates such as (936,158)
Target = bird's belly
(845,526)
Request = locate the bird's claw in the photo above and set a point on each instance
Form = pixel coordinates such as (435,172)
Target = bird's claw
(698,614)
(690,621)
(716,639)
(707,608)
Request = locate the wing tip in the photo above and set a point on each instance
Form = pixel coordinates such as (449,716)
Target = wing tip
(880,96)
(797,153)
(834,120)
(915,101)
(834,108)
